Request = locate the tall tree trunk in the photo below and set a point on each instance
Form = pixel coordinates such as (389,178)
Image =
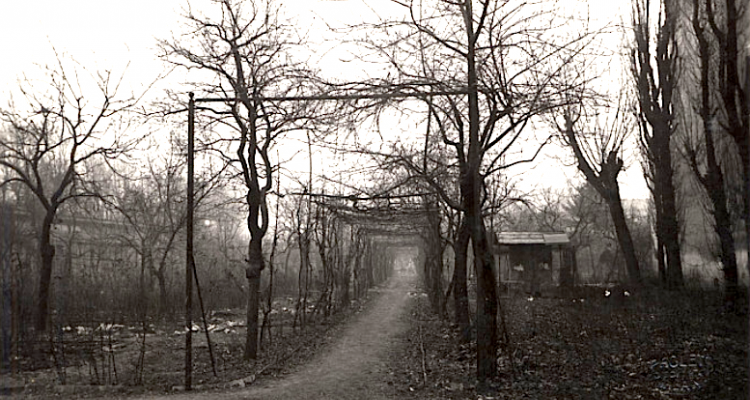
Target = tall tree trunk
(161,280)
(744,150)
(460,290)
(141,312)
(667,224)
(656,113)
(739,107)
(746,182)
(253,272)
(47,251)
(434,264)
(745,157)
(660,248)
(486,318)
(670,225)
(713,180)
(471,194)
(8,298)
(716,190)
(623,235)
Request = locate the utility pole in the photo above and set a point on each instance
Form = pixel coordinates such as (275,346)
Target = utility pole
(189,248)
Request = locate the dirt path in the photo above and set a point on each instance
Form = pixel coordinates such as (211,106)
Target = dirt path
(353,367)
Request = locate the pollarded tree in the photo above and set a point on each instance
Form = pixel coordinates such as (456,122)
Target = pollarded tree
(248,53)
(50,142)
(597,147)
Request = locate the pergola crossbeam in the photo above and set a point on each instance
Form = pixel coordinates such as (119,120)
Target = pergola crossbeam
(337,97)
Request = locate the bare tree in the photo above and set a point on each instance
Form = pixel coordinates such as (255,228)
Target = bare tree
(597,148)
(49,143)
(249,52)
(728,29)
(154,211)
(716,103)
(655,78)
(460,236)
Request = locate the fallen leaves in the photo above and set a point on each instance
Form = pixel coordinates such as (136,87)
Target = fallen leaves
(621,346)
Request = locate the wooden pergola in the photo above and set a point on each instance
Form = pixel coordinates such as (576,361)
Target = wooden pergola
(351,93)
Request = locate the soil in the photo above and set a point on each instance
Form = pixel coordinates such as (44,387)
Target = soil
(354,366)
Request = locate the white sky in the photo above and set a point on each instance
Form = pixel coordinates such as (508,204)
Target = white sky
(103,34)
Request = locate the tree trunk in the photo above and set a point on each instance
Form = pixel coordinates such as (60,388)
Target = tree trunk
(460,290)
(623,235)
(747,197)
(141,312)
(486,318)
(728,256)
(743,146)
(671,243)
(605,183)
(434,265)
(716,190)
(744,149)
(669,224)
(713,180)
(656,108)
(47,251)
(7,233)
(253,272)
(471,195)
(162,282)
(736,98)
(660,253)
(660,261)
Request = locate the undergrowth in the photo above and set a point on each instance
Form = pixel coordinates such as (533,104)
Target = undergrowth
(591,344)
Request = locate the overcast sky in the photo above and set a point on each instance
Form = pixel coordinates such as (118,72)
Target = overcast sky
(108,34)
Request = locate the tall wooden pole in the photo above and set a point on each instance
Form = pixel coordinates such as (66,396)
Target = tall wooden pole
(189,249)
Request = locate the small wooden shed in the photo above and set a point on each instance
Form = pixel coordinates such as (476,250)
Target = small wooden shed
(533,261)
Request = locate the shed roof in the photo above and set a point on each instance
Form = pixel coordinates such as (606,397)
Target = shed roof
(516,238)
